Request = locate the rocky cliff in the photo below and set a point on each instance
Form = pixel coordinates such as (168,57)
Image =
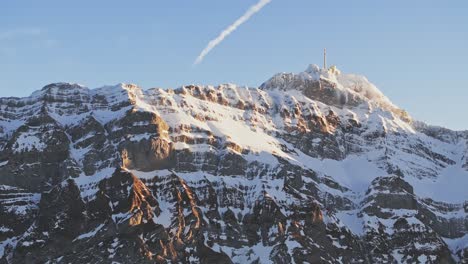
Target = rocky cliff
(314,167)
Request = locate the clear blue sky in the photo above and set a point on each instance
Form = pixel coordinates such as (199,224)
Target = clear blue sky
(415,51)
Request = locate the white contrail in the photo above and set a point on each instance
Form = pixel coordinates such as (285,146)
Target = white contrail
(215,42)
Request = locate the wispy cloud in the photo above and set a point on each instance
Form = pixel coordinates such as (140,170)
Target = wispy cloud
(13,34)
(215,42)
(13,39)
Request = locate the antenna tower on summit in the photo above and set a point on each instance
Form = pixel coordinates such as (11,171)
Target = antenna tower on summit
(325,59)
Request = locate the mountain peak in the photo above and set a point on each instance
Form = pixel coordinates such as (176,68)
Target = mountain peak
(333,87)
(63,86)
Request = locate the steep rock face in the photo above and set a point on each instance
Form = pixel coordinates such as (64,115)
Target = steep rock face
(37,154)
(94,150)
(315,167)
(149,149)
(18,210)
(402,227)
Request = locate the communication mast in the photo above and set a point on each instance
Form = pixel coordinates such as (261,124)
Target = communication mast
(325,59)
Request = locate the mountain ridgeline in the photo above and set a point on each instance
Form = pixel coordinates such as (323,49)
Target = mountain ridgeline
(313,167)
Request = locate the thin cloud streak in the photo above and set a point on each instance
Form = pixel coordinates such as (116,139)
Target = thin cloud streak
(13,40)
(215,42)
(19,33)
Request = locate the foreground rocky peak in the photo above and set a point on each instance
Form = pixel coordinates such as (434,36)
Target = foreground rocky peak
(315,167)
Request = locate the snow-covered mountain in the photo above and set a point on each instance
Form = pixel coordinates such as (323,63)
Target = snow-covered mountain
(315,167)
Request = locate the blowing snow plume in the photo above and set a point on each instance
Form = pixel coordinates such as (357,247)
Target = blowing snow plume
(215,42)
